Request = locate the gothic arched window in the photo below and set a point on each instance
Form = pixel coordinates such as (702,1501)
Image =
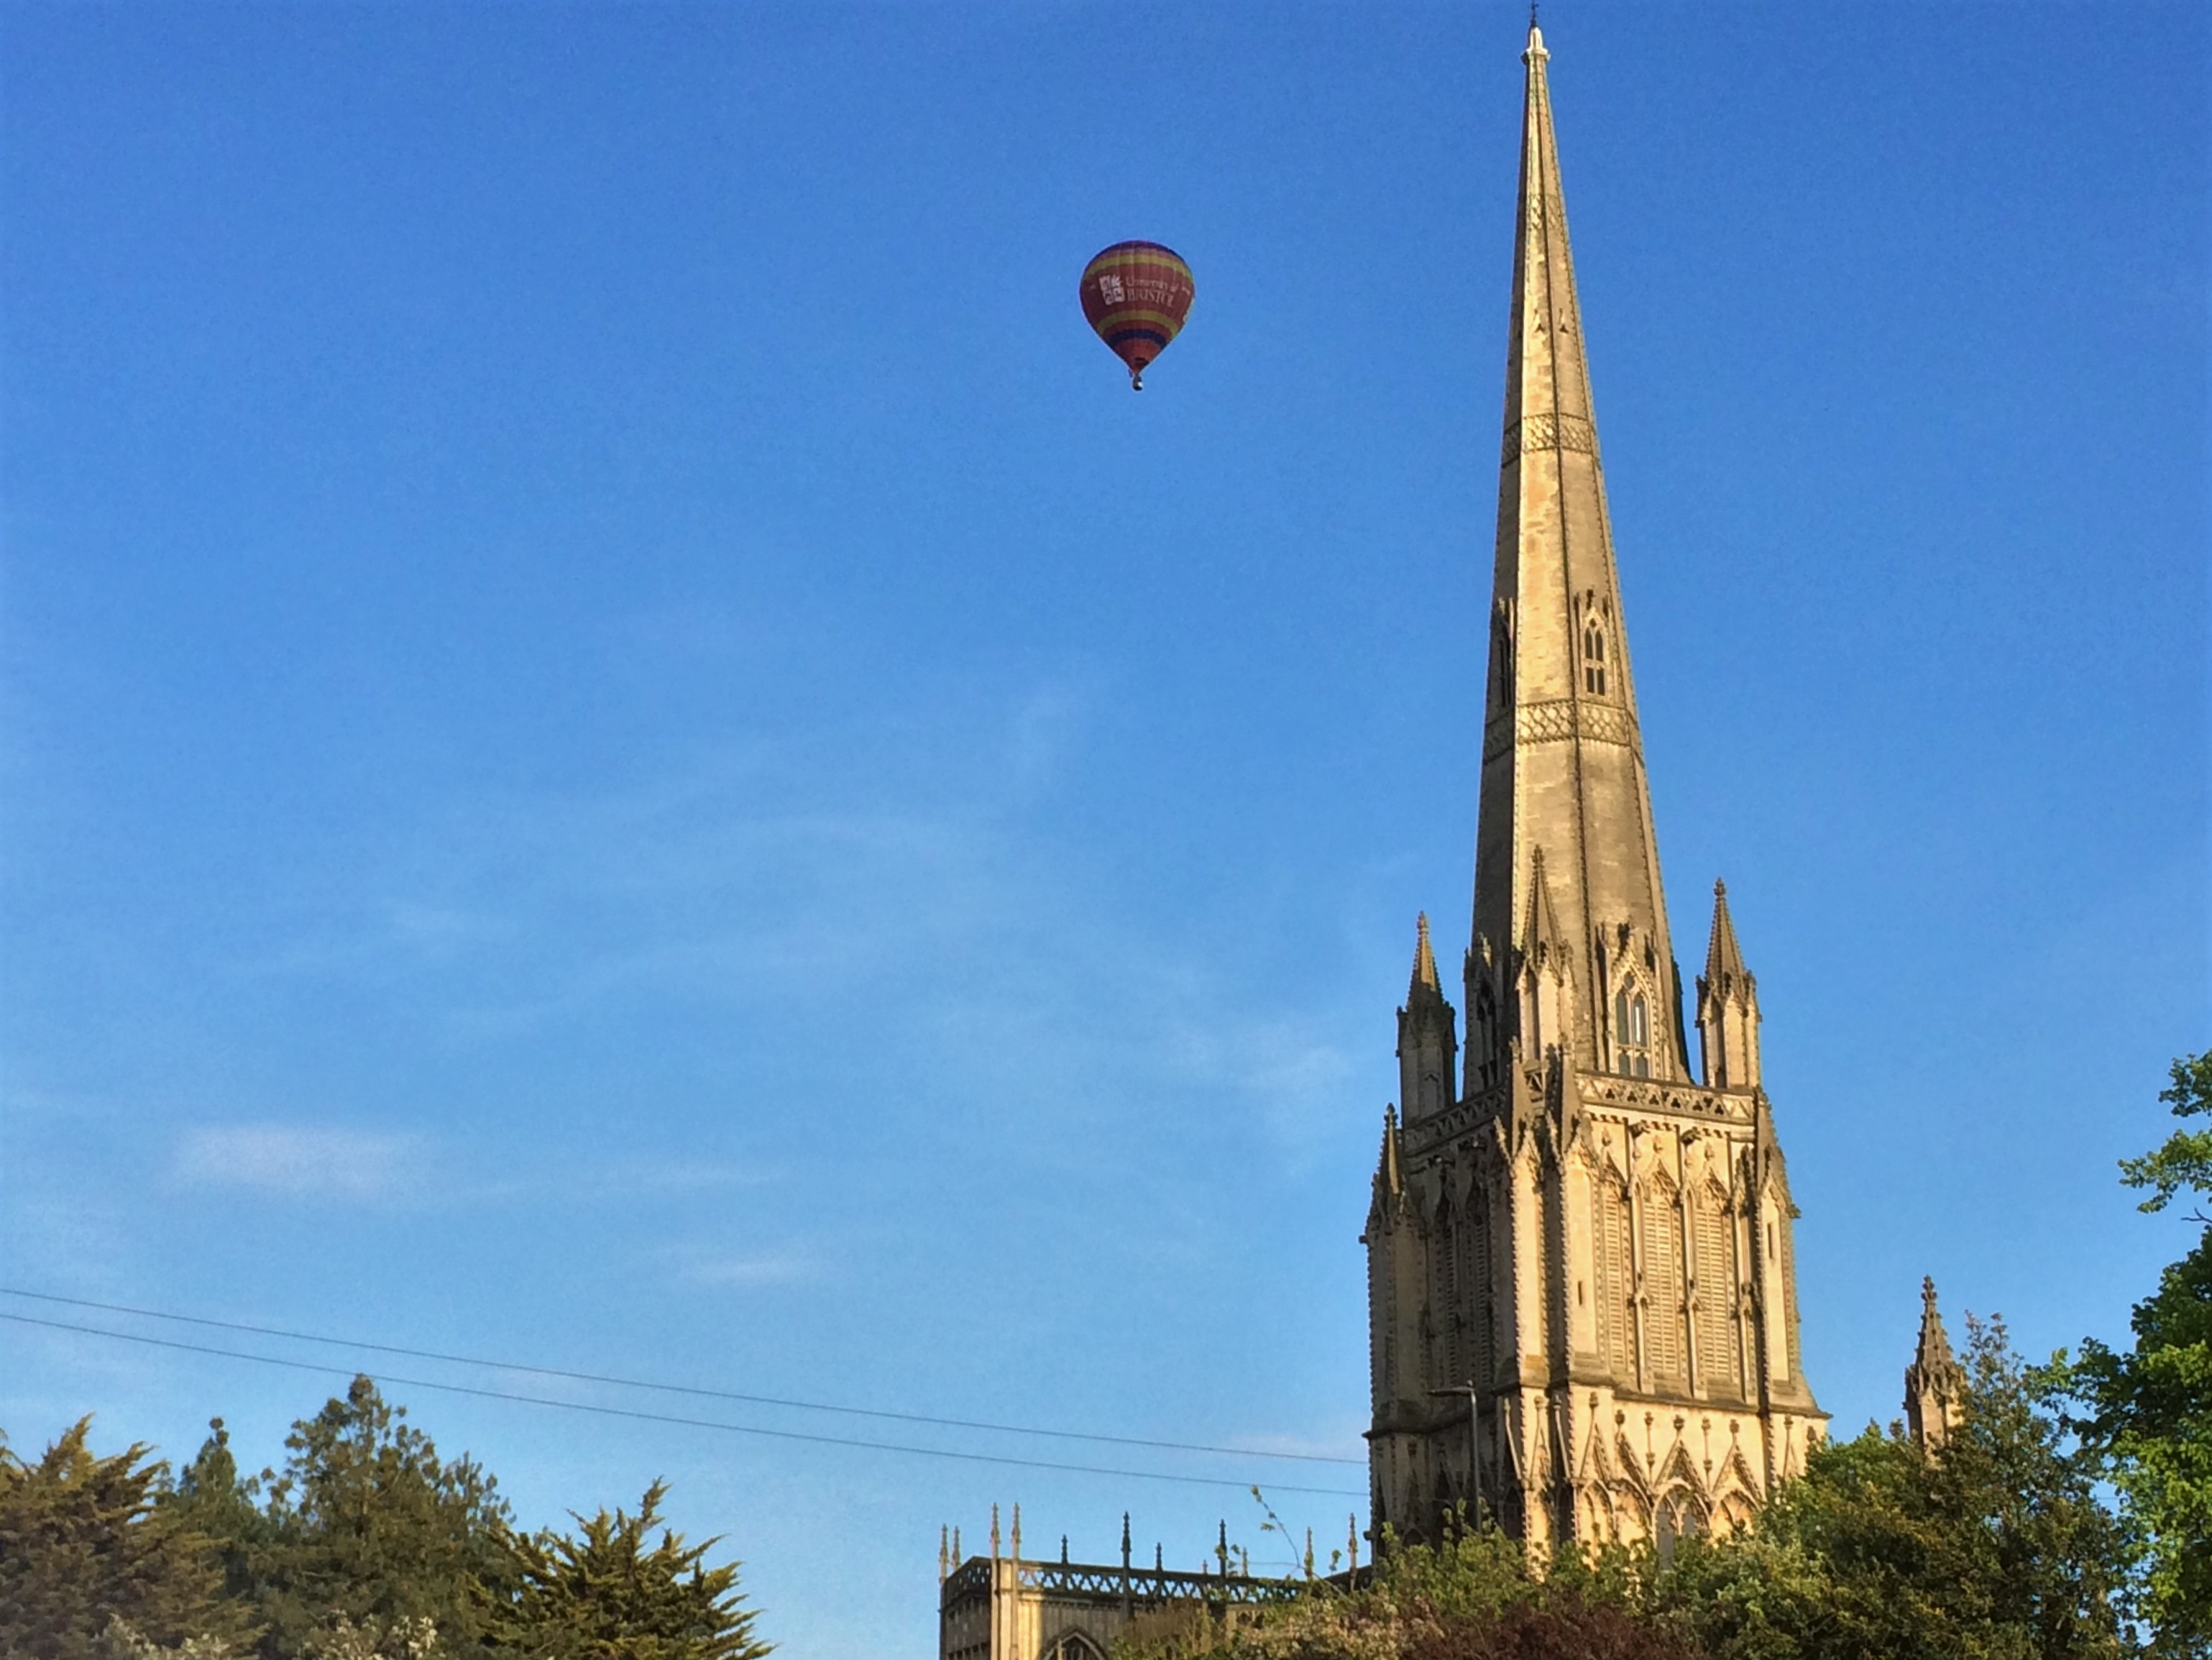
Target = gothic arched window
(1713,1234)
(1594,651)
(1661,1263)
(1679,1517)
(1632,1032)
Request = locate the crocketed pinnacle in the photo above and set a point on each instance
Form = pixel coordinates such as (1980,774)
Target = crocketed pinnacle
(1723,957)
(1935,1384)
(1540,931)
(1935,1350)
(1424,960)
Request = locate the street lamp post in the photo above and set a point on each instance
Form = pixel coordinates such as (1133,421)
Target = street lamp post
(1474,1444)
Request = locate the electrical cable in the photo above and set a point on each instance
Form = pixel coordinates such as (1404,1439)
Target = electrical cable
(670,1418)
(678,1389)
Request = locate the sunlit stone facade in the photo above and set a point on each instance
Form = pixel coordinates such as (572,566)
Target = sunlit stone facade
(1582,1295)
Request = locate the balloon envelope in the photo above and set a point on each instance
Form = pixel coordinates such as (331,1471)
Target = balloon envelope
(1136,295)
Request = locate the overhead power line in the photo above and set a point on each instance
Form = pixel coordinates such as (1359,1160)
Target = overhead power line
(677,1389)
(670,1418)
(666,1418)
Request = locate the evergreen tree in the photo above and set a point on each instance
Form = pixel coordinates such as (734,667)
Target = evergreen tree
(609,1594)
(367,1525)
(212,1499)
(84,1545)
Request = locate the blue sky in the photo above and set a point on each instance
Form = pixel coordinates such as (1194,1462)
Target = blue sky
(623,749)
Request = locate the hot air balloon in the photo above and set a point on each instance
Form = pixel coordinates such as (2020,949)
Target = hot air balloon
(1136,294)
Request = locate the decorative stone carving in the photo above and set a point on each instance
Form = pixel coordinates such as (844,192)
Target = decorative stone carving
(1548,431)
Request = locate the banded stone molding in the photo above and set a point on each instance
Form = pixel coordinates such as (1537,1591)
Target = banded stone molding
(1547,431)
(1557,718)
(1601,1090)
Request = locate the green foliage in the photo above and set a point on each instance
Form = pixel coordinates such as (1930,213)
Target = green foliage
(406,1638)
(1993,1545)
(1561,1628)
(211,1499)
(83,1545)
(368,1546)
(367,1525)
(1474,1598)
(608,1593)
(121,1640)
(2145,1417)
(2184,1159)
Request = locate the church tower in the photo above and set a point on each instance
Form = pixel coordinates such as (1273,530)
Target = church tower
(1582,1296)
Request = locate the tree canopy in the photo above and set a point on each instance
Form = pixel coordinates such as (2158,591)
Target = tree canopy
(607,1594)
(1993,1546)
(367,1544)
(2145,1413)
(84,1543)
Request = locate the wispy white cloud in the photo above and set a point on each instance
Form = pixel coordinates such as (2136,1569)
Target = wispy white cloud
(295,1161)
(772,1269)
(921,864)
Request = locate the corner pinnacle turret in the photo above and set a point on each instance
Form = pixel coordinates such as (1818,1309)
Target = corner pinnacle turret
(1723,957)
(1727,1006)
(1428,1036)
(1424,958)
(1935,1384)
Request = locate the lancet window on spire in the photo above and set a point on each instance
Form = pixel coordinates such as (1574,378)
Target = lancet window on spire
(1632,1032)
(1597,620)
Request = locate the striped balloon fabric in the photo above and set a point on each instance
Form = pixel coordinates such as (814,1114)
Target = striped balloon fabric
(1136,294)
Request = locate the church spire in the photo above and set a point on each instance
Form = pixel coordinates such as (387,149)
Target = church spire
(1563,762)
(1585,1239)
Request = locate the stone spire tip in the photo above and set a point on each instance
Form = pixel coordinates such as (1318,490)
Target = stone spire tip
(1935,1384)
(1424,958)
(1935,1342)
(1723,957)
